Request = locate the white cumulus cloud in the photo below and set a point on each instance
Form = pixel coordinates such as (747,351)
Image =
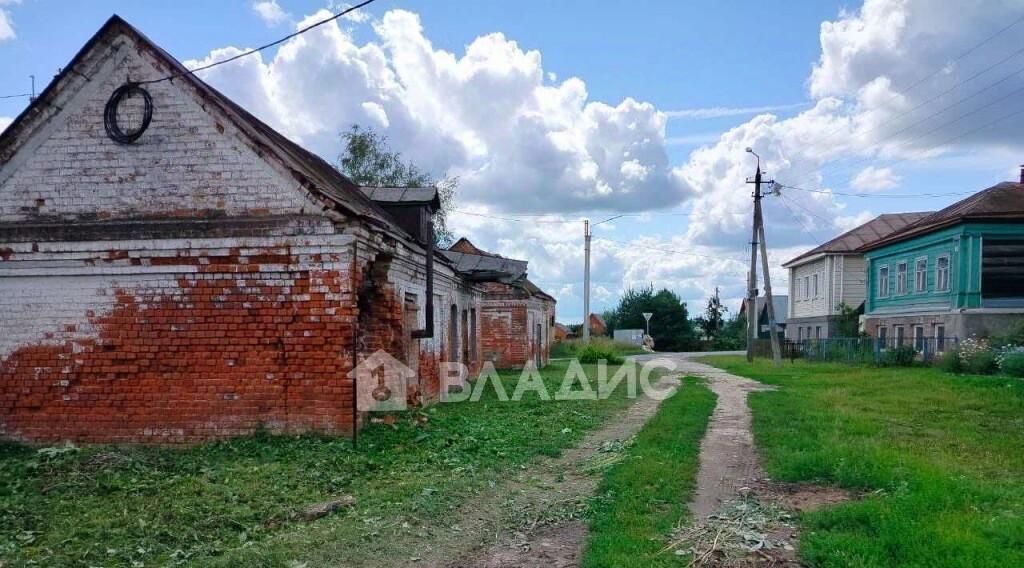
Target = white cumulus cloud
(875,179)
(270,12)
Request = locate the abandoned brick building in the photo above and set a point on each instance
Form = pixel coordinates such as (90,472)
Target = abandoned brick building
(518,318)
(193,274)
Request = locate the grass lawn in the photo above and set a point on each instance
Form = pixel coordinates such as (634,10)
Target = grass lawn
(228,503)
(941,456)
(642,498)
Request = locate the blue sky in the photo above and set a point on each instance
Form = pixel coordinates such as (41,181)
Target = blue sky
(619,94)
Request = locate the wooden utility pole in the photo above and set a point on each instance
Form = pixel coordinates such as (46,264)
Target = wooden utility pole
(756,239)
(586,281)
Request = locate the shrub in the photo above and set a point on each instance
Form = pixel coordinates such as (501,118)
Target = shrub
(902,356)
(594,353)
(1012,336)
(982,363)
(951,362)
(574,347)
(1013,364)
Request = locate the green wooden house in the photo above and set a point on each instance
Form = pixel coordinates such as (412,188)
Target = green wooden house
(958,272)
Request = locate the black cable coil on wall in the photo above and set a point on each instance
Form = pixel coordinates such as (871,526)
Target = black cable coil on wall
(126,134)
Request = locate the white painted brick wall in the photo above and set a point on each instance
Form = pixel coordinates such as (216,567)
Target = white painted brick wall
(188,161)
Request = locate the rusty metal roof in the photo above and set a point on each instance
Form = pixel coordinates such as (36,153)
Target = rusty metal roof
(1001,202)
(878,228)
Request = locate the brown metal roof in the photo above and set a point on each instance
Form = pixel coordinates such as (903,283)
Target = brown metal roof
(878,228)
(486,267)
(1001,202)
(311,171)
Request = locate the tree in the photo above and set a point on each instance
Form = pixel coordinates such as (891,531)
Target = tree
(368,160)
(713,320)
(670,325)
(733,335)
(848,321)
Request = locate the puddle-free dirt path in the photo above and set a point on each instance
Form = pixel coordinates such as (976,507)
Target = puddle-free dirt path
(533,520)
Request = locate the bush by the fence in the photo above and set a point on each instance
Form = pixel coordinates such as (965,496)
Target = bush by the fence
(951,362)
(1013,364)
(902,356)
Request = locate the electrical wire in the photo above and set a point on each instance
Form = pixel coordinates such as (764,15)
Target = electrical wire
(941,69)
(262,47)
(997,120)
(800,220)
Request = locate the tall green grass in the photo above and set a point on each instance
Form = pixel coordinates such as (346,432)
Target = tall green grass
(940,458)
(228,503)
(572,348)
(642,498)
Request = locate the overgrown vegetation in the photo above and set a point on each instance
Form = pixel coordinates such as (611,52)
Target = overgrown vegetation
(938,457)
(231,503)
(369,161)
(572,348)
(670,326)
(641,498)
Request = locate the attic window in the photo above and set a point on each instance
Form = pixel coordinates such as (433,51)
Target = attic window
(128,113)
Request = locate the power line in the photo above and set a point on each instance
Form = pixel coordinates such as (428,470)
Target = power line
(806,229)
(16,96)
(850,165)
(997,120)
(261,48)
(941,69)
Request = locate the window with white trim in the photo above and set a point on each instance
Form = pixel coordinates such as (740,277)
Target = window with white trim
(942,273)
(815,285)
(807,287)
(883,282)
(921,275)
(901,278)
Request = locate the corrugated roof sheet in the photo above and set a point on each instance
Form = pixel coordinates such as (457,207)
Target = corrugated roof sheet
(875,229)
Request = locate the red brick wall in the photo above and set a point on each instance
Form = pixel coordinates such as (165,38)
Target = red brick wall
(244,343)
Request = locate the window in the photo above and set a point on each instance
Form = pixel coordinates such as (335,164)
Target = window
(942,273)
(817,332)
(940,338)
(882,334)
(815,285)
(898,331)
(901,278)
(921,275)
(799,334)
(918,338)
(883,282)
(807,287)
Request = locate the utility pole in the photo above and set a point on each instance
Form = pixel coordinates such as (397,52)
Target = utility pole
(759,238)
(586,281)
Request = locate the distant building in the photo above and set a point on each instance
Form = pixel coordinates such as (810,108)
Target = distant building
(597,325)
(781,305)
(828,276)
(956,272)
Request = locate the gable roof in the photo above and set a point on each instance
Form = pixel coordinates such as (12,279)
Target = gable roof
(404,195)
(312,172)
(1001,202)
(851,241)
(466,246)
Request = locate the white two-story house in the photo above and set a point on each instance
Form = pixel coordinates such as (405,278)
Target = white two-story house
(832,274)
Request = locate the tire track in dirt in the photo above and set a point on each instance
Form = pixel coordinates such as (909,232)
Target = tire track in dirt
(533,519)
